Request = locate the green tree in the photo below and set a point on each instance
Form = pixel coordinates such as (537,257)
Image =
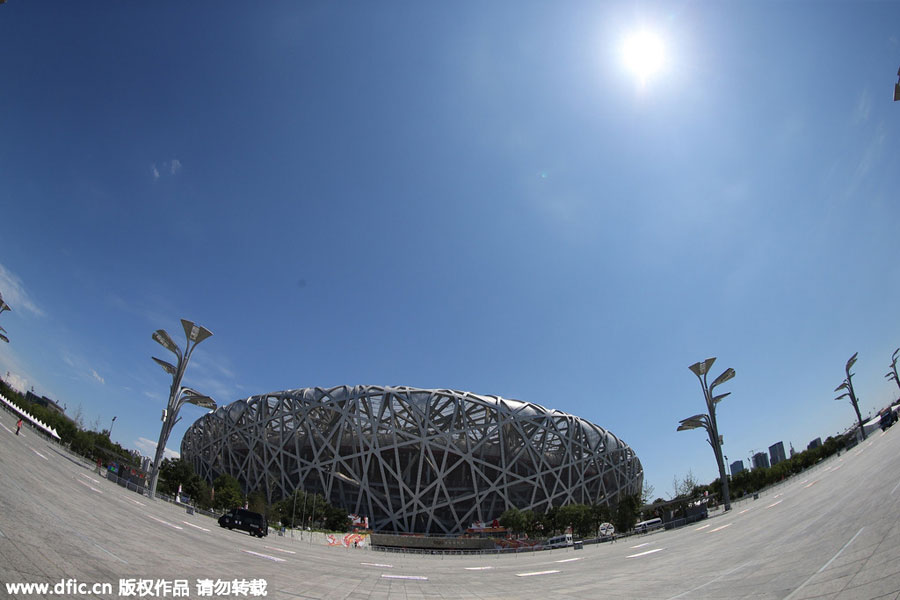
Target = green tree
(626,513)
(228,493)
(513,520)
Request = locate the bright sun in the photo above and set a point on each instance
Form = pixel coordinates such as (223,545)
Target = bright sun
(644,54)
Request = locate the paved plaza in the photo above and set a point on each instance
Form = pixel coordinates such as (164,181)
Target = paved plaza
(832,532)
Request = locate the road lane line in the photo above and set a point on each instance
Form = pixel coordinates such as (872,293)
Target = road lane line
(377,565)
(196,526)
(91,478)
(416,577)
(702,527)
(266,556)
(720,528)
(39,454)
(825,566)
(745,510)
(478,568)
(895,488)
(641,545)
(110,553)
(533,573)
(570,559)
(281,550)
(811,484)
(775,504)
(5,427)
(88,485)
(709,582)
(645,553)
(166,522)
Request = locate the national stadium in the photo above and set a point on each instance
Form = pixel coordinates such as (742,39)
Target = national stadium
(412,460)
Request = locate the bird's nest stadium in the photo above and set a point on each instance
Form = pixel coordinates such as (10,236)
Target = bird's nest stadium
(413,460)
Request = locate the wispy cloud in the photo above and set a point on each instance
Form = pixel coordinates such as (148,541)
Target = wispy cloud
(167,167)
(81,366)
(148,448)
(863,107)
(14,293)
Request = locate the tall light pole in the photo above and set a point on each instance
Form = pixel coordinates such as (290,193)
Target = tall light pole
(848,385)
(110,428)
(892,374)
(708,421)
(3,306)
(178,395)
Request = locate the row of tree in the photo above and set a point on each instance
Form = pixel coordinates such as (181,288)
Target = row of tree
(301,509)
(94,445)
(585,520)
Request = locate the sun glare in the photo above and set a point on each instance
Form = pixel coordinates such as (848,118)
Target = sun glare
(644,54)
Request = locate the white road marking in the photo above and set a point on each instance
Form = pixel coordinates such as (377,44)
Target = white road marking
(416,577)
(838,467)
(91,478)
(641,545)
(745,510)
(570,559)
(39,454)
(825,566)
(533,573)
(6,428)
(166,523)
(266,556)
(110,553)
(775,504)
(720,528)
(280,550)
(88,485)
(709,582)
(135,501)
(702,527)
(378,565)
(811,484)
(775,496)
(478,568)
(195,526)
(895,488)
(2,534)
(645,553)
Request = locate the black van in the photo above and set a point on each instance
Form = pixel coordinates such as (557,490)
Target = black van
(251,522)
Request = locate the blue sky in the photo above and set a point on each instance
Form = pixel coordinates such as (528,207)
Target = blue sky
(477,196)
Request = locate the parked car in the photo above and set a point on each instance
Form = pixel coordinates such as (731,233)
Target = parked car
(246,520)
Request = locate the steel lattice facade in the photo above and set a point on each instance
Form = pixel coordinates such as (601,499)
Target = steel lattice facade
(413,460)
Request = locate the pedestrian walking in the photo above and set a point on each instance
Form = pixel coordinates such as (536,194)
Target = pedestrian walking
(18,426)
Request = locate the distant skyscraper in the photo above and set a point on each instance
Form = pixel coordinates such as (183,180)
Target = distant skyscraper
(736,467)
(815,443)
(776,452)
(760,460)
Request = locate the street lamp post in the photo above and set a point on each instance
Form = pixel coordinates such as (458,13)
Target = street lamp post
(892,374)
(708,420)
(848,385)
(110,427)
(178,395)
(3,306)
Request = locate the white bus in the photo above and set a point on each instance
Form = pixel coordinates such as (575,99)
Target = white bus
(649,525)
(560,541)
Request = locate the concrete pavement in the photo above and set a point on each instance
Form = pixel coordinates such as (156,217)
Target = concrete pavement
(831,533)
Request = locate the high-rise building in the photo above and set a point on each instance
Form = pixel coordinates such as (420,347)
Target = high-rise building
(760,460)
(736,467)
(776,452)
(815,443)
